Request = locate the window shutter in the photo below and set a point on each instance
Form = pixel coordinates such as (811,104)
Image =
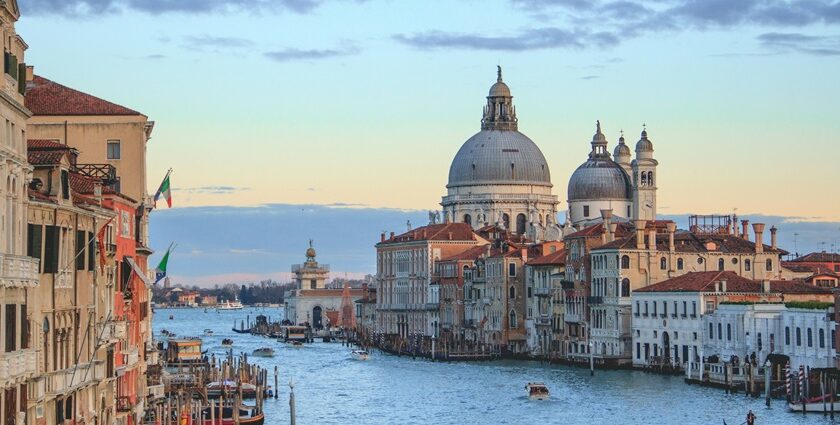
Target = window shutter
(51,250)
(79,254)
(34,244)
(13,66)
(91,243)
(24,328)
(11,324)
(22,78)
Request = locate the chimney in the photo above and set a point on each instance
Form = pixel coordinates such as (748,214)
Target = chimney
(30,73)
(773,231)
(392,235)
(613,229)
(524,255)
(745,232)
(640,233)
(758,228)
(382,237)
(723,286)
(672,227)
(606,215)
(734,225)
(97,192)
(765,286)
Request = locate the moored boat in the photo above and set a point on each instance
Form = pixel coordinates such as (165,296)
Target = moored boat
(360,355)
(296,344)
(218,388)
(815,407)
(264,352)
(537,391)
(208,332)
(225,416)
(227,342)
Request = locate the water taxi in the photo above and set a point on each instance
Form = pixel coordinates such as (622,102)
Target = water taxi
(264,352)
(208,332)
(537,391)
(360,355)
(227,342)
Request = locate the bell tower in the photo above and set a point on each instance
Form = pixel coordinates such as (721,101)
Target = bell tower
(644,180)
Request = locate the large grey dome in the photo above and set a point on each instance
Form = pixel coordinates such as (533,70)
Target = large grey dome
(599,178)
(499,157)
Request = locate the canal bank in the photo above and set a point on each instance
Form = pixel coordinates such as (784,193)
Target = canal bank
(332,388)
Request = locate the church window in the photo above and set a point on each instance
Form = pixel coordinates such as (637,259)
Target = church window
(720,264)
(747,265)
(644,179)
(663,263)
(467,219)
(520,224)
(625,262)
(680,264)
(506,221)
(586,210)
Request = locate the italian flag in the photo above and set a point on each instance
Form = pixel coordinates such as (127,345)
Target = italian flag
(160,271)
(164,191)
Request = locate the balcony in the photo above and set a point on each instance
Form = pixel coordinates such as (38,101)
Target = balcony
(107,173)
(567,285)
(17,364)
(431,306)
(155,392)
(132,357)
(572,318)
(72,378)
(542,292)
(543,320)
(594,300)
(17,271)
(486,300)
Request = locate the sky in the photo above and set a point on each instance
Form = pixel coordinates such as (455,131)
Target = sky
(362,104)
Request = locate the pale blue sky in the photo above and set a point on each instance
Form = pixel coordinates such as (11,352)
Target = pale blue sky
(366,102)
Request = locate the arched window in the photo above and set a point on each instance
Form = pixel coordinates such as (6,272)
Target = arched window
(506,221)
(822,338)
(798,337)
(711,331)
(787,335)
(663,263)
(625,262)
(650,178)
(520,224)
(512,315)
(769,265)
(467,219)
(512,292)
(747,265)
(644,179)
(721,264)
(625,287)
(810,335)
(680,264)
(728,332)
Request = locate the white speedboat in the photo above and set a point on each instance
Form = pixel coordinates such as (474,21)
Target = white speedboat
(537,391)
(264,352)
(208,332)
(360,355)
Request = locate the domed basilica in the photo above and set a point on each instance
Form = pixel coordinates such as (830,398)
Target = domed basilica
(500,177)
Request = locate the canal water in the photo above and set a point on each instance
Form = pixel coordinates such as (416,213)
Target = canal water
(331,388)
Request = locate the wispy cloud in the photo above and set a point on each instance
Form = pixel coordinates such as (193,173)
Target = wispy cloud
(203,42)
(531,39)
(80,8)
(810,44)
(590,77)
(213,190)
(293,54)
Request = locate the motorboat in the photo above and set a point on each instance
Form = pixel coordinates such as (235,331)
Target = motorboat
(218,388)
(227,342)
(360,354)
(263,352)
(537,391)
(231,305)
(225,416)
(208,332)
(296,344)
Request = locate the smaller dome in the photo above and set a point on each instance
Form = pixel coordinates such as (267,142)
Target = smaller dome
(499,89)
(622,149)
(644,144)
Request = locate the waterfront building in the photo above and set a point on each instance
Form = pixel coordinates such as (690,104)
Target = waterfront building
(62,224)
(505,283)
(311,301)
(625,187)
(500,176)
(545,302)
(656,251)
(188,299)
(407,300)
(450,274)
(18,272)
(825,261)
(795,333)
(475,301)
(671,318)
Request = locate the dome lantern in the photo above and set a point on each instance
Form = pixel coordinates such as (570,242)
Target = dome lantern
(499,113)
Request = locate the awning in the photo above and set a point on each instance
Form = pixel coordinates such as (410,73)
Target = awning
(139,272)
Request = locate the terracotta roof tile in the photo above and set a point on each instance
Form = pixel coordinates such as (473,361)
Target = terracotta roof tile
(470,254)
(705,282)
(596,230)
(818,257)
(558,258)
(685,241)
(436,232)
(47,97)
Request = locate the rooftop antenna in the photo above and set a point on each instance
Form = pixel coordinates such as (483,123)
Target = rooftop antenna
(795,249)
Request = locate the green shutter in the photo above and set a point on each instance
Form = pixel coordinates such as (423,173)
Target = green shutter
(22,78)
(13,66)
(79,254)
(91,244)
(34,244)
(51,249)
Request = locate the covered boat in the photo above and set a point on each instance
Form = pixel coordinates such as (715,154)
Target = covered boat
(360,354)
(264,352)
(227,416)
(218,388)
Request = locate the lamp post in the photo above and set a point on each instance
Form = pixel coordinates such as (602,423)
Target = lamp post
(292,401)
(767,371)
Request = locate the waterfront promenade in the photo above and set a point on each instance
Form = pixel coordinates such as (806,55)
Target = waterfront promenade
(333,389)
